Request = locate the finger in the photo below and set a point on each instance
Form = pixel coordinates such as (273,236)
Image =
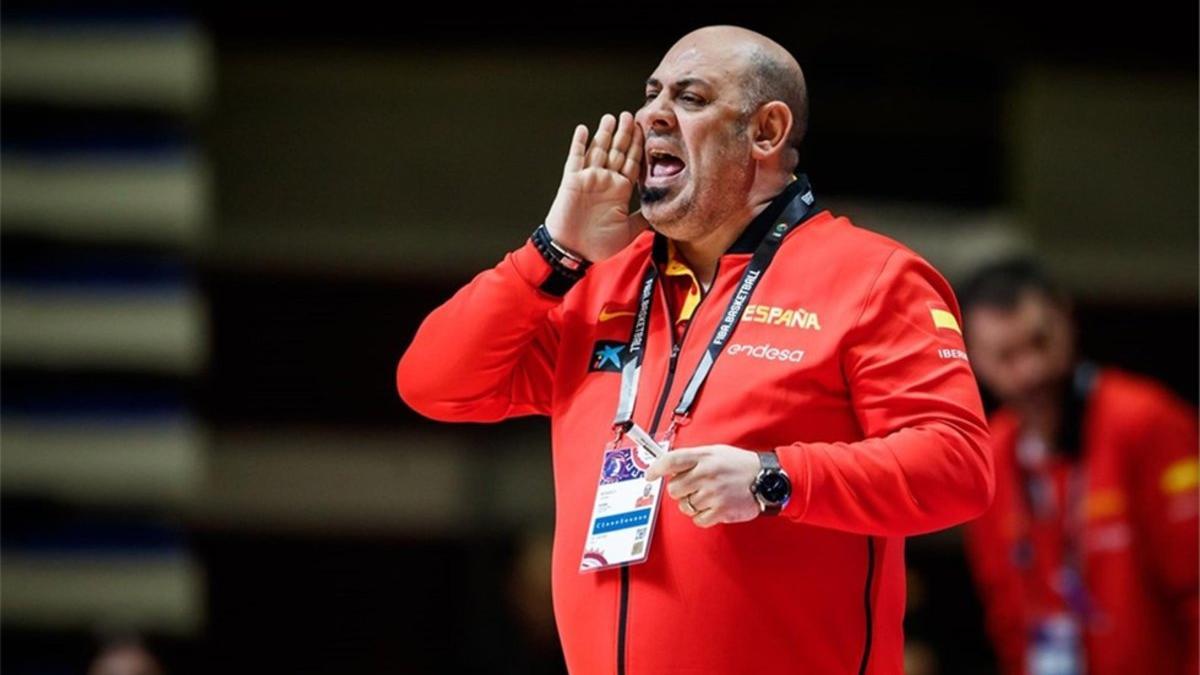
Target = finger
(633,158)
(598,155)
(683,484)
(684,503)
(706,517)
(620,143)
(704,500)
(578,150)
(672,463)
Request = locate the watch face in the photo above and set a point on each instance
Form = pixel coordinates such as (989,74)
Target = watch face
(774,487)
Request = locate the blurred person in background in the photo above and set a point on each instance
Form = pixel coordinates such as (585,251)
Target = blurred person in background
(125,655)
(839,419)
(1086,561)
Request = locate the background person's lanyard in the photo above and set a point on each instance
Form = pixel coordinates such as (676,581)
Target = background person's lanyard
(1055,642)
(1038,491)
(1039,487)
(792,215)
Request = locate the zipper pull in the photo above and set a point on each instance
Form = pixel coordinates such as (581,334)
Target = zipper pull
(674,351)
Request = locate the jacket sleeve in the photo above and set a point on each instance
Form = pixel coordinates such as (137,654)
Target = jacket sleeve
(487,353)
(925,462)
(1166,472)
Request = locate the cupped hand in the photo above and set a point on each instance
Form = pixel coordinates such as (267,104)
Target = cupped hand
(590,215)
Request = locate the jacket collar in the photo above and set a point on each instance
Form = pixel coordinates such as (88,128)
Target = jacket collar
(753,233)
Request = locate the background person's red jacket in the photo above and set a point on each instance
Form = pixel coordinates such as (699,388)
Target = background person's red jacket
(879,425)
(1139,449)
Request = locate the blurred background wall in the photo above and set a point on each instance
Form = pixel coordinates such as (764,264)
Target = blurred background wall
(221,224)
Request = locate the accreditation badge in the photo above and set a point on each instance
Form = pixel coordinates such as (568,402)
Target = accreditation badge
(622,522)
(1056,646)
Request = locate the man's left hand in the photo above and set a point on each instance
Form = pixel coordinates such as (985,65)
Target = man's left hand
(711,483)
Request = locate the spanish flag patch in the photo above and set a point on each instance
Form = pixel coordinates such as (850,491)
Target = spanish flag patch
(1181,476)
(943,318)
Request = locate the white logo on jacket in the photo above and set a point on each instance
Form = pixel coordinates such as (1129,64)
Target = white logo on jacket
(766,352)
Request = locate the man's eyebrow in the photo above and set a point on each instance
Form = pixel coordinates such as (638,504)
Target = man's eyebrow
(679,84)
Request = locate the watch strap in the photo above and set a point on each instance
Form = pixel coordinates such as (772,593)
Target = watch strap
(566,268)
(770,461)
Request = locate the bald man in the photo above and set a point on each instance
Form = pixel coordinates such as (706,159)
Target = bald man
(793,390)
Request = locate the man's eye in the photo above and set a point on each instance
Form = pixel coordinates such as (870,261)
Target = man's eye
(691,98)
(650,95)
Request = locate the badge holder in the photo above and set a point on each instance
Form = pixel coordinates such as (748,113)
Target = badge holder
(626,506)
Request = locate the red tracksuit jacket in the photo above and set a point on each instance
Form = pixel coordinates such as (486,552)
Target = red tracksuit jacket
(878,423)
(1139,543)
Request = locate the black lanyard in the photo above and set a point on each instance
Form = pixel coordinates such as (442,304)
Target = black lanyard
(795,212)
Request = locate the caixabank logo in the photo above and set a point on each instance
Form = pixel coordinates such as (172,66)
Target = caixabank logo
(608,356)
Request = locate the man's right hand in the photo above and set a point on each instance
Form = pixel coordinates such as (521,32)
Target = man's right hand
(590,215)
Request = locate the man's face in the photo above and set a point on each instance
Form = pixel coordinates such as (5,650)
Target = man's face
(697,166)
(1022,354)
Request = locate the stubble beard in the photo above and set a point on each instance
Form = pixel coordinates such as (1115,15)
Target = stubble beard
(671,217)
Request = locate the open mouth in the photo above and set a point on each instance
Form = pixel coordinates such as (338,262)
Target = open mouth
(663,166)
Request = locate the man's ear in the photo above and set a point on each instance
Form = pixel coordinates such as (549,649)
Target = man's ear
(772,124)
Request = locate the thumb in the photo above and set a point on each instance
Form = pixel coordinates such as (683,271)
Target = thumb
(675,461)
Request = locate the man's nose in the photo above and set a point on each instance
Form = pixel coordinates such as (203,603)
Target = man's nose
(655,114)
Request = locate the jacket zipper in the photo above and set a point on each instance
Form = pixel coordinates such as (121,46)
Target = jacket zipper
(862,666)
(676,345)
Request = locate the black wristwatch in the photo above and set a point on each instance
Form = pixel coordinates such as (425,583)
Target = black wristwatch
(772,487)
(567,268)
